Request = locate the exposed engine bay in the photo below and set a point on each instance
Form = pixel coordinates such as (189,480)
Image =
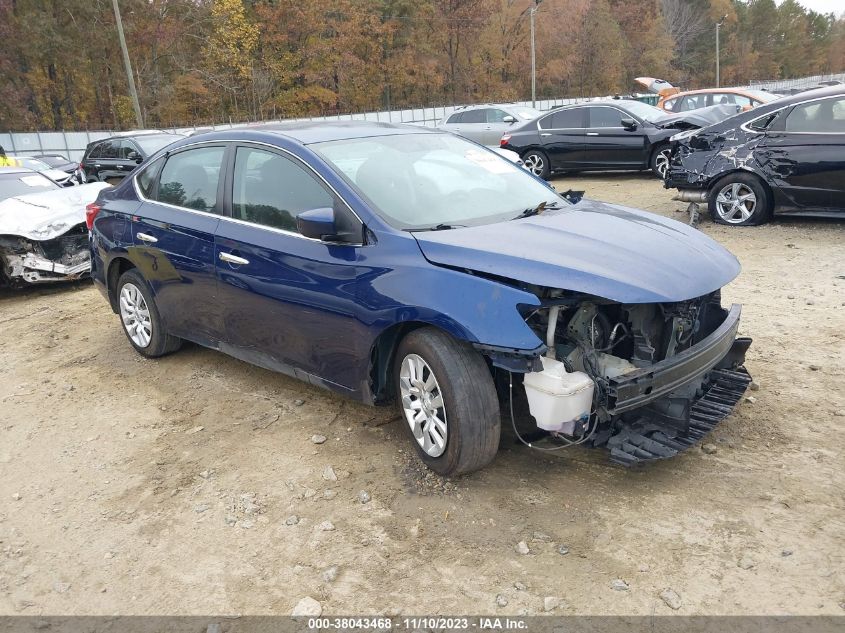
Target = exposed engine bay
(645,380)
(28,261)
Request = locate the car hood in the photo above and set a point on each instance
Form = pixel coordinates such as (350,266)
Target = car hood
(43,216)
(600,249)
(702,117)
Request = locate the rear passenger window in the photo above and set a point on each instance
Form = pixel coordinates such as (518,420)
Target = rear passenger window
(564,119)
(272,190)
(475,116)
(189,179)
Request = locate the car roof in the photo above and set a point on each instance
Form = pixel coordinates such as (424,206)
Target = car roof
(736,91)
(307,132)
(599,102)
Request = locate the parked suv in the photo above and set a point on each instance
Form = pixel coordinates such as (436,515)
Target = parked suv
(486,123)
(113,158)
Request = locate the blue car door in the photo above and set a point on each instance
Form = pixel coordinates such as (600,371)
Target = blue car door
(288,302)
(173,237)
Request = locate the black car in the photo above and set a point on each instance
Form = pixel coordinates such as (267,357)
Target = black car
(601,135)
(112,159)
(785,157)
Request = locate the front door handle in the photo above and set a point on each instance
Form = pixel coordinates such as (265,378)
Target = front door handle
(146,238)
(545,134)
(592,133)
(233,259)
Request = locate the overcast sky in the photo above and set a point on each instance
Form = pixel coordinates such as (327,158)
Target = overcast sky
(824,6)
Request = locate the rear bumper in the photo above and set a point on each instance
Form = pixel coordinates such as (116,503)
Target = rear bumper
(638,388)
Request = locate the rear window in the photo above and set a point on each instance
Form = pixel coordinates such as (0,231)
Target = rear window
(151,144)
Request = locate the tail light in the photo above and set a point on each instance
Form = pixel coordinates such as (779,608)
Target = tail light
(505,139)
(91,211)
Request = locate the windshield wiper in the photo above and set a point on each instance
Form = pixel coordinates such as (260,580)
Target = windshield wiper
(527,213)
(439,227)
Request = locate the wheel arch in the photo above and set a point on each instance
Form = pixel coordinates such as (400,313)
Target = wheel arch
(117,266)
(711,183)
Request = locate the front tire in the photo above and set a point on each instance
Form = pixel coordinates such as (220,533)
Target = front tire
(140,317)
(447,402)
(537,163)
(659,162)
(739,199)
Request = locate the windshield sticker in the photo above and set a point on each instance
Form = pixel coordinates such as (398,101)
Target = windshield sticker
(491,162)
(33,181)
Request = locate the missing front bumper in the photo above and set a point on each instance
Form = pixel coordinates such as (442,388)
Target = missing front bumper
(649,439)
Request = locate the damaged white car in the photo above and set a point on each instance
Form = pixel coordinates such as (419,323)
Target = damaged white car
(43,236)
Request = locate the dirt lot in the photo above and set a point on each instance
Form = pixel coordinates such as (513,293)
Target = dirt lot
(191,484)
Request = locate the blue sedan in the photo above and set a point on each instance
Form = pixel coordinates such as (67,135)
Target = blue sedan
(399,264)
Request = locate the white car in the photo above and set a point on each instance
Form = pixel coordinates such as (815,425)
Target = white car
(56,175)
(43,236)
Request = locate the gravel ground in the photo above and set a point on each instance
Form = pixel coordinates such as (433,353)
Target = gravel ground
(197,484)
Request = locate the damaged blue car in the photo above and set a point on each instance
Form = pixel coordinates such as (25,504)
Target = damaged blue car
(397,264)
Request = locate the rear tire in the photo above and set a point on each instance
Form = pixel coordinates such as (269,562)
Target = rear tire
(447,402)
(537,163)
(140,317)
(739,199)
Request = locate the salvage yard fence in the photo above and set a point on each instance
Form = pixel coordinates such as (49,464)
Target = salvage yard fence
(72,144)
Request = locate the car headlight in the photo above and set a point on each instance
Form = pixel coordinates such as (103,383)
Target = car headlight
(682,135)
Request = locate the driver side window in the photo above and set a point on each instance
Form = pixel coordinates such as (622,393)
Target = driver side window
(271,190)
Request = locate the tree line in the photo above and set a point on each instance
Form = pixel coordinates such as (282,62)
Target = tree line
(199,62)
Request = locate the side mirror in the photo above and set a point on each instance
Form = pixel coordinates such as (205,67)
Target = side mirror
(629,124)
(135,156)
(317,224)
(509,119)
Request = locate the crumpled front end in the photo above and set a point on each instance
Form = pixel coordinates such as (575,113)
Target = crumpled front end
(26,261)
(663,374)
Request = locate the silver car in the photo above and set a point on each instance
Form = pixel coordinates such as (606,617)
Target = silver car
(486,123)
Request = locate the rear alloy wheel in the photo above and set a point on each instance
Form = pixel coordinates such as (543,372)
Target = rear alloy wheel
(739,199)
(660,162)
(537,163)
(448,402)
(140,317)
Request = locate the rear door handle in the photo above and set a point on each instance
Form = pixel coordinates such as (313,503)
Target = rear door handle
(233,259)
(146,238)
(592,133)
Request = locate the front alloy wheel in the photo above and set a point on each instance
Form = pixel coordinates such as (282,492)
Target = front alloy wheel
(661,163)
(438,376)
(422,403)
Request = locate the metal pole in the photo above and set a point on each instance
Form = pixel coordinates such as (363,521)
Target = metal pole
(128,64)
(533,62)
(718,24)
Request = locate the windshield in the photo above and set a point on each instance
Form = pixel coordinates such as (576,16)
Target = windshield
(18,184)
(151,144)
(54,161)
(425,181)
(31,163)
(762,95)
(644,111)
